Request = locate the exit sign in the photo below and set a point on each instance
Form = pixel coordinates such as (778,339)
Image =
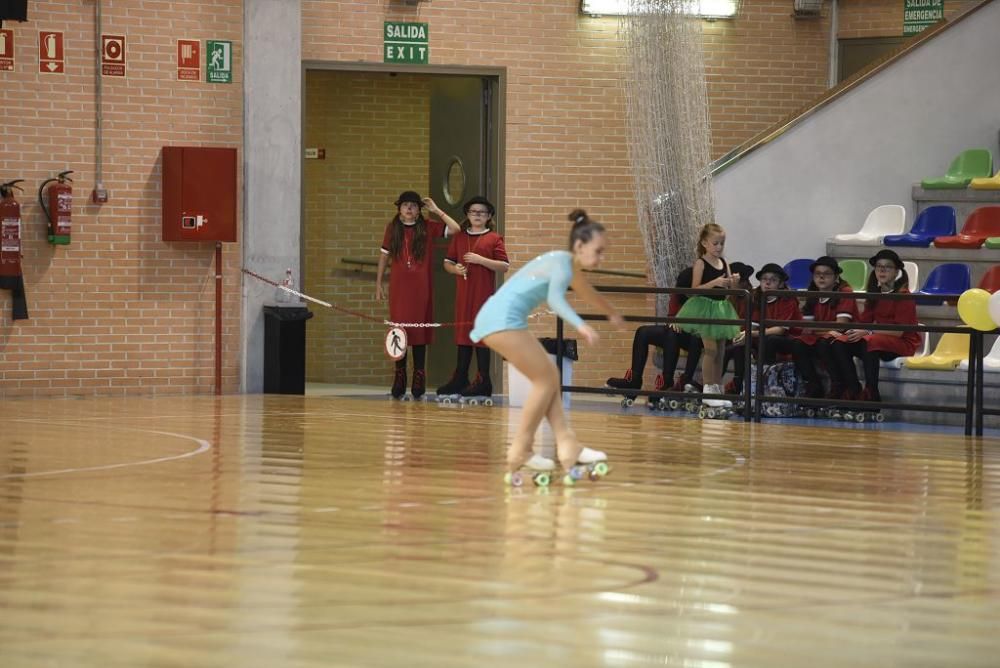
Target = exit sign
(405,43)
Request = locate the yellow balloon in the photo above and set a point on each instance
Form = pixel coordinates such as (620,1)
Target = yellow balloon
(973,309)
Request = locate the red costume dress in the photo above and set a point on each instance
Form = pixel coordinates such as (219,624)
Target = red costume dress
(411,297)
(479,282)
(893,312)
(828,310)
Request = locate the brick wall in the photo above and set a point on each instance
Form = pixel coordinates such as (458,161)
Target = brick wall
(118,310)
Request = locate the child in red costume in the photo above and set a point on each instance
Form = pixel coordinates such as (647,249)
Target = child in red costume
(475,256)
(408,248)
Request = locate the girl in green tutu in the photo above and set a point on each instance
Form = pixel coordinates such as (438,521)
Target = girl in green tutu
(711,271)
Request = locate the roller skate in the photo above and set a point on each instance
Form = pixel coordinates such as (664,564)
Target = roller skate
(592,464)
(398,390)
(715,409)
(866,415)
(479,392)
(626,383)
(419,386)
(831,412)
(537,469)
(814,390)
(689,404)
(656,403)
(451,391)
(844,413)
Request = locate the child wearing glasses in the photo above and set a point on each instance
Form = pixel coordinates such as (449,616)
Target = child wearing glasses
(888,276)
(814,345)
(475,256)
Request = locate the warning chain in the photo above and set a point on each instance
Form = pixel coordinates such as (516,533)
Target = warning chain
(364,316)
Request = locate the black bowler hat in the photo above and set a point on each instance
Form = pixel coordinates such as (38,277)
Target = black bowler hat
(479,200)
(826,261)
(745,271)
(772,268)
(886,254)
(409,196)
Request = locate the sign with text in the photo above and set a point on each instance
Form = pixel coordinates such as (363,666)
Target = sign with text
(219,61)
(405,43)
(188,60)
(6,50)
(113,55)
(51,56)
(919,14)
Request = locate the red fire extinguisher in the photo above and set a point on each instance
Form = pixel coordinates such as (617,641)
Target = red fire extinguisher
(10,230)
(59,211)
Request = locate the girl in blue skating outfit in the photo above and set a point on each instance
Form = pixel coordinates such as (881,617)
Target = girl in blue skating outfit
(502,324)
(711,271)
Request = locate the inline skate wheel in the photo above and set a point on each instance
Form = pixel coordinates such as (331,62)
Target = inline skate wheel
(674,404)
(601,468)
(577,472)
(514,479)
(473,402)
(627,403)
(860,417)
(541,479)
(879,417)
(488,402)
(568,480)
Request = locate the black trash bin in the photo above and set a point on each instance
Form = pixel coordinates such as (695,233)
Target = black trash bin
(285,349)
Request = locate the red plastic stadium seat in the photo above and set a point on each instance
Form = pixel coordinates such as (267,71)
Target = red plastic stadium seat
(981,224)
(991,279)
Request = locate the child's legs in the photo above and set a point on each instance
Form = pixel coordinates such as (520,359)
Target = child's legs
(523,350)
(693,345)
(464,360)
(711,366)
(483,362)
(419,357)
(567,446)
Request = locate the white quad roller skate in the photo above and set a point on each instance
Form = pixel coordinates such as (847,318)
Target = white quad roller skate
(538,469)
(591,464)
(715,409)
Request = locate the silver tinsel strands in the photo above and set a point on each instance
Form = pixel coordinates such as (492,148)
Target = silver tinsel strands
(668,131)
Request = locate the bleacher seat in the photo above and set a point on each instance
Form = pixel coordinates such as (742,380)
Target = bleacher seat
(981,224)
(950,278)
(898,362)
(798,272)
(991,279)
(882,220)
(912,273)
(950,351)
(969,164)
(934,221)
(986,183)
(991,362)
(855,273)
(993,242)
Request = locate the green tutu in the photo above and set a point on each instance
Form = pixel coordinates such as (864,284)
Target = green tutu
(705,307)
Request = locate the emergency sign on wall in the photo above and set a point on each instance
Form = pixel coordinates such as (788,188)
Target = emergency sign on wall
(6,50)
(51,55)
(406,43)
(113,55)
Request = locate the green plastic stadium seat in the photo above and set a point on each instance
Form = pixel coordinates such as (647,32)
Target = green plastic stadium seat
(855,273)
(993,242)
(971,164)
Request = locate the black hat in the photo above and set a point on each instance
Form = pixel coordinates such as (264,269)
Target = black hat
(745,271)
(409,196)
(827,261)
(772,268)
(479,200)
(886,254)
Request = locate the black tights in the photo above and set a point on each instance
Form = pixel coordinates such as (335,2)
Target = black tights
(465,361)
(843,370)
(671,342)
(773,345)
(806,355)
(419,359)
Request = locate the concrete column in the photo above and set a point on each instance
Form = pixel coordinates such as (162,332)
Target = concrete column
(272,149)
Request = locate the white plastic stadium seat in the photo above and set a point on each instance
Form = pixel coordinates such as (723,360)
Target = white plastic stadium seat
(899,361)
(990,363)
(912,273)
(883,220)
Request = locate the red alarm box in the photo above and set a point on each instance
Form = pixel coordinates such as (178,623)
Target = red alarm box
(199,193)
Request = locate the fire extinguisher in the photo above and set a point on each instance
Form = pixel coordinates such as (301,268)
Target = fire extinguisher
(10,248)
(59,211)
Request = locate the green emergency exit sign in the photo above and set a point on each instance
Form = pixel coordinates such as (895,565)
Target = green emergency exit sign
(920,14)
(405,43)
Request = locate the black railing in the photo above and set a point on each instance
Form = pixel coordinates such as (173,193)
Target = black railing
(973,409)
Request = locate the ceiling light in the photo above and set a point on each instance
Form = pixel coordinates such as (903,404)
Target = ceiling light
(713,9)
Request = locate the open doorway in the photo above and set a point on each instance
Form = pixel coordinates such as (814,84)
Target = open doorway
(370,134)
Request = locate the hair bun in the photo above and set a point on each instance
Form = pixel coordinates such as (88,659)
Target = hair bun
(578,216)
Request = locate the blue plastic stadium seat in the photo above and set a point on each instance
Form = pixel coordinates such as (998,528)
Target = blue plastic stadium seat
(798,272)
(934,221)
(951,278)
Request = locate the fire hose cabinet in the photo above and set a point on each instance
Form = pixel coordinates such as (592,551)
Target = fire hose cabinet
(199,193)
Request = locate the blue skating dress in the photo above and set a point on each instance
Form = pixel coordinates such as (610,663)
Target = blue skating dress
(544,279)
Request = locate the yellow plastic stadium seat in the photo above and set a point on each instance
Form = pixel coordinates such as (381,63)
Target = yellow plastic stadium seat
(949,353)
(986,183)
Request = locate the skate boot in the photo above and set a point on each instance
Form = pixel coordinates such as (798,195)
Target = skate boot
(592,464)
(850,394)
(869,414)
(832,411)
(679,385)
(735,386)
(452,389)
(626,383)
(399,383)
(419,383)
(715,408)
(655,402)
(538,469)
(480,391)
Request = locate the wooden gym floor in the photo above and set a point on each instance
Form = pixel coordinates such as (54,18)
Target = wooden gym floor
(332,531)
